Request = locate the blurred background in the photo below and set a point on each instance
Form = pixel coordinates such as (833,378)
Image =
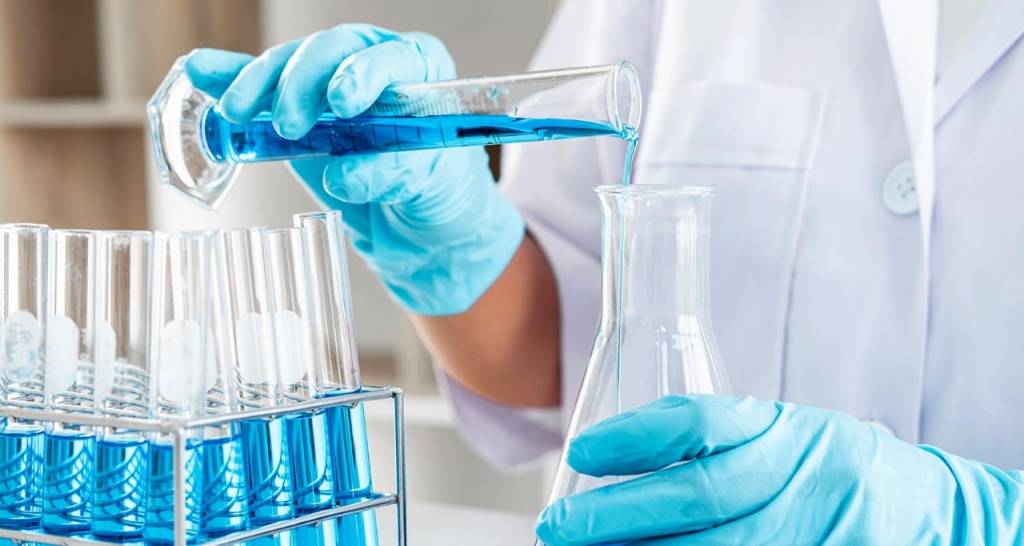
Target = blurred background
(74,152)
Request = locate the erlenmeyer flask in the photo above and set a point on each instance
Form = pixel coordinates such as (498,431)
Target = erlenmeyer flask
(655,336)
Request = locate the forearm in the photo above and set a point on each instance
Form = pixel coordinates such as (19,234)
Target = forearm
(506,346)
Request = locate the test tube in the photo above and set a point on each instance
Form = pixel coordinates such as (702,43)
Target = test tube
(179,355)
(243,277)
(70,449)
(324,240)
(225,500)
(300,367)
(123,383)
(199,153)
(23,276)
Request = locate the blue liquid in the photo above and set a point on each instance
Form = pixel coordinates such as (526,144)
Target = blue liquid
(122,471)
(21,470)
(312,475)
(325,532)
(225,506)
(632,140)
(68,482)
(267,472)
(160,510)
(350,456)
(258,141)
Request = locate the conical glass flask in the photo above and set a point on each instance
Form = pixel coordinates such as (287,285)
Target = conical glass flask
(655,336)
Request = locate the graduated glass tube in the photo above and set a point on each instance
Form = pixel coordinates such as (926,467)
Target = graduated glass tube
(225,498)
(180,357)
(243,277)
(198,152)
(23,310)
(324,238)
(655,336)
(70,344)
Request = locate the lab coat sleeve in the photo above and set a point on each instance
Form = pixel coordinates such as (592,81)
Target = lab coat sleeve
(551,183)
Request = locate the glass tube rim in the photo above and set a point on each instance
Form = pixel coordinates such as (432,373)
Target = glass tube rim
(59,232)
(125,233)
(282,230)
(625,72)
(25,226)
(316,214)
(187,234)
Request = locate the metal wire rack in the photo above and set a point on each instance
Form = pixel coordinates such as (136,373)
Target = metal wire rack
(178,429)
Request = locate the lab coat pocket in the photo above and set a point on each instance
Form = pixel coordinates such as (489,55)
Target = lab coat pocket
(756,143)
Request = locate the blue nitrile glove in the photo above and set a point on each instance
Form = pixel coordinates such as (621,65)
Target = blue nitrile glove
(431,223)
(773,473)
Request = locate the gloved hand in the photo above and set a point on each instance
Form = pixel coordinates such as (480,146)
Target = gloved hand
(774,473)
(431,223)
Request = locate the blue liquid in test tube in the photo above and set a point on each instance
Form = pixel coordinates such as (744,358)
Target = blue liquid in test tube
(160,514)
(225,507)
(21,471)
(312,476)
(268,475)
(122,472)
(68,482)
(257,140)
(350,457)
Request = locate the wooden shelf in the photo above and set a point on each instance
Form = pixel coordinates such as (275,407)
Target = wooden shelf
(72,113)
(74,79)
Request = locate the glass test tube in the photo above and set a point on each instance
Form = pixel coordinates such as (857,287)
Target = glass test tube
(23,277)
(179,356)
(296,337)
(70,345)
(123,383)
(324,240)
(225,499)
(243,276)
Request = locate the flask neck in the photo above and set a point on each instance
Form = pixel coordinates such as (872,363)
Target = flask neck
(655,257)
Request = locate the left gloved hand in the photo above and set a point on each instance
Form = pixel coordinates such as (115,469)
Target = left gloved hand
(772,473)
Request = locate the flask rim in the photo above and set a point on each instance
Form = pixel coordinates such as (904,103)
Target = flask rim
(640,190)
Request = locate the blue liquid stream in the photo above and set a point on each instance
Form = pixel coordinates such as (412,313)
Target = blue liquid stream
(21,470)
(68,482)
(258,141)
(225,504)
(122,473)
(160,508)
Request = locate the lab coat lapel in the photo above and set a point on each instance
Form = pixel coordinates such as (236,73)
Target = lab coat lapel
(999,27)
(911,28)
(910,31)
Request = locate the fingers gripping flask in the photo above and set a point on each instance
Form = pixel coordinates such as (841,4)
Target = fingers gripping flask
(654,337)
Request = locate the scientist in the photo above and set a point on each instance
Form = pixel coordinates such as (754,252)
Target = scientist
(886,283)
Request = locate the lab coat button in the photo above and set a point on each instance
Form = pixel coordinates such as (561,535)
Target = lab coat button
(899,192)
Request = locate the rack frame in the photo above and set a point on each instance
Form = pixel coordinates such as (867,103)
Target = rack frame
(178,429)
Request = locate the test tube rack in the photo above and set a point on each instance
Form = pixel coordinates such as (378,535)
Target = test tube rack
(178,429)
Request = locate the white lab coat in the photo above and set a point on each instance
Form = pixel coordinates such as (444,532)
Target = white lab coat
(841,288)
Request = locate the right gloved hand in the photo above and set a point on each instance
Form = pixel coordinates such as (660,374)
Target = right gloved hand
(431,223)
